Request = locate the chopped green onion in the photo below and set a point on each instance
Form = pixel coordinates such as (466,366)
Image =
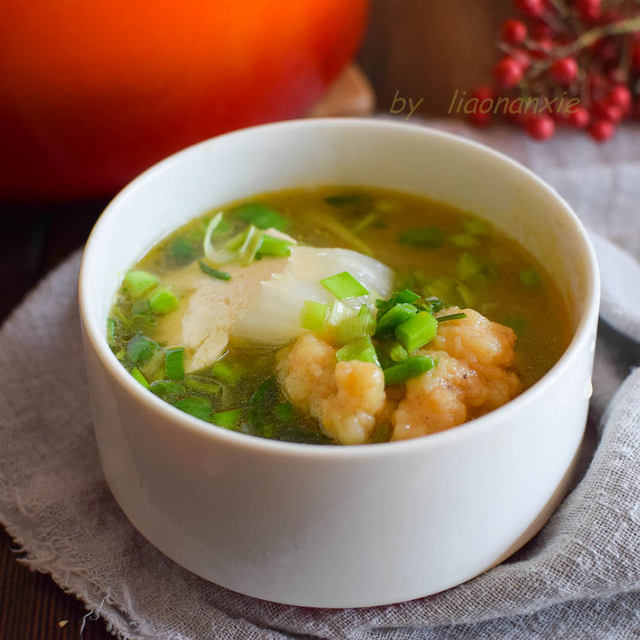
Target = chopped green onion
(433,304)
(344,285)
(417,331)
(181,251)
(387,206)
(284,412)
(448,291)
(202,384)
(154,365)
(468,266)
(250,246)
(464,240)
(430,237)
(137,374)
(472,268)
(228,372)
(140,348)
(452,316)
(233,244)
(405,295)
(529,278)
(210,271)
(476,227)
(262,403)
(216,256)
(395,316)
(274,247)
(360,349)
(138,282)
(163,300)
(227,419)
(261,216)
(398,353)
(365,222)
(466,294)
(169,390)
(330,224)
(412,367)
(112,328)
(339,311)
(196,406)
(267,429)
(313,315)
(174,363)
(354,327)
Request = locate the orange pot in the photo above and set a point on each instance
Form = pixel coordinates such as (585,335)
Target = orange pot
(93,92)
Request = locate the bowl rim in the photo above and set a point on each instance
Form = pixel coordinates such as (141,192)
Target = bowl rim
(96,336)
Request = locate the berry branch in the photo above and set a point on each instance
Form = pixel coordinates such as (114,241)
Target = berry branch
(581,56)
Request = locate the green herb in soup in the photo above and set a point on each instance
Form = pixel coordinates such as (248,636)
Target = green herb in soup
(337,316)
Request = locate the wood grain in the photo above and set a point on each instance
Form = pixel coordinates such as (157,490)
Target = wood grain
(429,48)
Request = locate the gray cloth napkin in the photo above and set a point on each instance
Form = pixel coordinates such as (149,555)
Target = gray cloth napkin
(578,579)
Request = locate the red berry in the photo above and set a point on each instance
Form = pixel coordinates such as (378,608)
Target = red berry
(531,8)
(605,110)
(513,32)
(635,56)
(508,72)
(617,76)
(541,31)
(540,127)
(479,119)
(596,83)
(578,118)
(620,96)
(601,130)
(589,10)
(559,116)
(607,51)
(564,70)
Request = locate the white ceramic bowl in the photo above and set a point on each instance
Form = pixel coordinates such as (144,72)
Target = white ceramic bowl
(332,526)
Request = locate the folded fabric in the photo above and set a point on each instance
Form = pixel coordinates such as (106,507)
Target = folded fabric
(579,578)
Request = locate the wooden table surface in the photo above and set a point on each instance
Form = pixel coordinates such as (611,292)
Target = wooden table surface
(408,48)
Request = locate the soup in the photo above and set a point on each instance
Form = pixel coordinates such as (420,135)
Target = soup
(337,316)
